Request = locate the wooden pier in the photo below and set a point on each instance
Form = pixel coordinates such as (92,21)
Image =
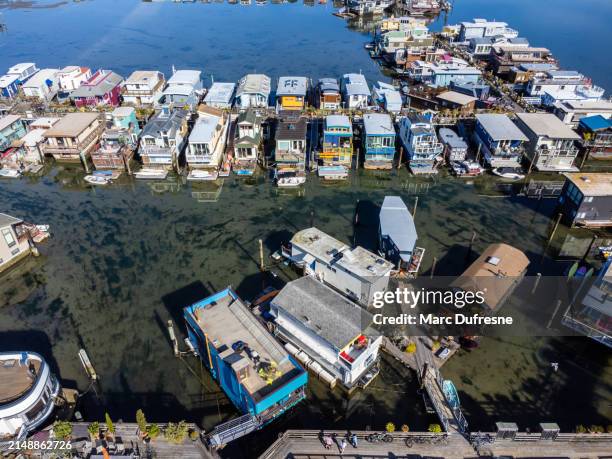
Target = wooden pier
(301,444)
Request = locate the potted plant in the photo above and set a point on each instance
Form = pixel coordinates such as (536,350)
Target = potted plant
(176,433)
(94,430)
(141,420)
(110,427)
(411,348)
(390,427)
(62,430)
(405,428)
(194,434)
(153,432)
(434,428)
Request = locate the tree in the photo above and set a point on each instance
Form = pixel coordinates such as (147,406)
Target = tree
(411,348)
(435,346)
(176,433)
(581,429)
(390,427)
(62,430)
(109,423)
(141,420)
(405,428)
(434,428)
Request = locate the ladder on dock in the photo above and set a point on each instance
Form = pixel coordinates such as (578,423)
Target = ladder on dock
(231,430)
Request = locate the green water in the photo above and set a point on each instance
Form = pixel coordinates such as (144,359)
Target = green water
(124,259)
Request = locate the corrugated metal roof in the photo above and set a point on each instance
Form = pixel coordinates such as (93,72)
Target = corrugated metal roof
(254,83)
(596,122)
(500,127)
(6,220)
(397,223)
(378,124)
(220,93)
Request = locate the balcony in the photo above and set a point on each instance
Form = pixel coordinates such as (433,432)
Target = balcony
(355,349)
(78,147)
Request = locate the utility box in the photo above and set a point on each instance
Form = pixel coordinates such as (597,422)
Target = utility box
(549,430)
(506,430)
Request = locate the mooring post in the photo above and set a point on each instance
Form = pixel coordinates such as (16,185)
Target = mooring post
(416,203)
(433,268)
(261,256)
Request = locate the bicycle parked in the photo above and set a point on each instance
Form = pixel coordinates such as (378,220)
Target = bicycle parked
(380,437)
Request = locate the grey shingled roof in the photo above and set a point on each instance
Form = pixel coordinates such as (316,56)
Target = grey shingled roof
(323,311)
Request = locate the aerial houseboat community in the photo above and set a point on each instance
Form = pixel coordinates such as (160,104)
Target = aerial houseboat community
(476,101)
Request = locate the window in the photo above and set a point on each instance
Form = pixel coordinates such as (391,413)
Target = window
(581,215)
(588,199)
(8,237)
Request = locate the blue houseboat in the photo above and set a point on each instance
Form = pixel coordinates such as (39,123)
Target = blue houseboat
(258,375)
(378,141)
(9,86)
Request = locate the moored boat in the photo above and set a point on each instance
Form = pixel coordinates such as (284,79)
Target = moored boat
(151,174)
(10,173)
(196,175)
(507,173)
(97,179)
(333,172)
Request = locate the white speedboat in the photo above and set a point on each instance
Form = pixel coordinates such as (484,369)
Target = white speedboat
(10,173)
(507,173)
(290,181)
(196,175)
(97,180)
(151,174)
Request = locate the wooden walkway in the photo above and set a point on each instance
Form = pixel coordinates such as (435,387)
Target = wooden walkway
(307,444)
(298,444)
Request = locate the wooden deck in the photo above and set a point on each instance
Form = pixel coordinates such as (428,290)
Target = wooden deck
(130,438)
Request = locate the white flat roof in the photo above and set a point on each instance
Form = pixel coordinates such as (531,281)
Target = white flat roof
(378,124)
(500,127)
(41,77)
(547,124)
(19,68)
(292,86)
(190,77)
(204,129)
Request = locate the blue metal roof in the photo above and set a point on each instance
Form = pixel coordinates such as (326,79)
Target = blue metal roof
(596,122)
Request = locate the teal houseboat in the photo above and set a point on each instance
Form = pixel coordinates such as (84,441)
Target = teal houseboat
(258,375)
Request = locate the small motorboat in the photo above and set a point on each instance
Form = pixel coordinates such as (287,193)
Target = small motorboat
(43,228)
(507,173)
(97,179)
(196,175)
(369,45)
(10,173)
(151,174)
(333,172)
(286,182)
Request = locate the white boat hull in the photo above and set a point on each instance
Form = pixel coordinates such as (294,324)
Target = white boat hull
(150,174)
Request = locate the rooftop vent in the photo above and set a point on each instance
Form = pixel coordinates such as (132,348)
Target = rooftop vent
(584,178)
(493,261)
(371,268)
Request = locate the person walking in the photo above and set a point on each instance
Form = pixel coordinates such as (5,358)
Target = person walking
(353,440)
(342,445)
